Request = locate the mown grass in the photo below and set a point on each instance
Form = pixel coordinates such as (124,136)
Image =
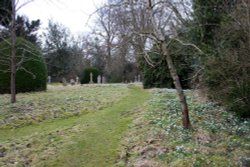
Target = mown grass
(91,139)
(217,138)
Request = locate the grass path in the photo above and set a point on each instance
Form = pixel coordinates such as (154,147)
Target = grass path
(90,140)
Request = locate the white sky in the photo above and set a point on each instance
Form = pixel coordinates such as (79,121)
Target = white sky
(74,14)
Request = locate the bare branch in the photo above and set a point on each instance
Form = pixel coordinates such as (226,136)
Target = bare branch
(22,5)
(188,44)
(27,71)
(148,59)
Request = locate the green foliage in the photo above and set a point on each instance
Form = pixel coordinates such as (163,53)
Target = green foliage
(57,51)
(219,29)
(227,73)
(5,12)
(98,59)
(27,29)
(229,83)
(31,70)
(85,79)
(24,28)
(58,63)
(115,78)
(62,52)
(159,75)
(207,17)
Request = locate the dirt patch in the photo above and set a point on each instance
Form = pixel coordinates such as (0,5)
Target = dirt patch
(146,163)
(203,138)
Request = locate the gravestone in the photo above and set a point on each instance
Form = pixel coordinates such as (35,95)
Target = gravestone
(99,79)
(64,82)
(72,81)
(139,78)
(135,79)
(103,79)
(91,78)
(77,80)
(49,79)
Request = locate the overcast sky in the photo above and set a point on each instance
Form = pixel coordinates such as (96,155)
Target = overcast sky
(74,14)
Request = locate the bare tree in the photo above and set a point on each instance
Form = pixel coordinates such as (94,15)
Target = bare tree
(13,53)
(159,35)
(105,31)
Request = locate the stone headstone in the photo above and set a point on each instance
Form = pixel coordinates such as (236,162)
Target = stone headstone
(99,79)
(77,80)
(139,78)
(49,79)
(64,82)
(103,79)
(72,81)
(135,79)
(91,78)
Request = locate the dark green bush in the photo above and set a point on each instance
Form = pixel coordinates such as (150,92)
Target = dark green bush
(228,82)
(159,75)
(32,72)
(239,99)
(85,78)
(227,71)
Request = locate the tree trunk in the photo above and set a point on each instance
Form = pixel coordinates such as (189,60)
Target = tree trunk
(13,54)
(184,107)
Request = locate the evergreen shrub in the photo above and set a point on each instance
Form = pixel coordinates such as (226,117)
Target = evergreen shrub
(31,72)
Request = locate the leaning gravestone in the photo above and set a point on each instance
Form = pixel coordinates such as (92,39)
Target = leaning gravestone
(91,78)
(99,79)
